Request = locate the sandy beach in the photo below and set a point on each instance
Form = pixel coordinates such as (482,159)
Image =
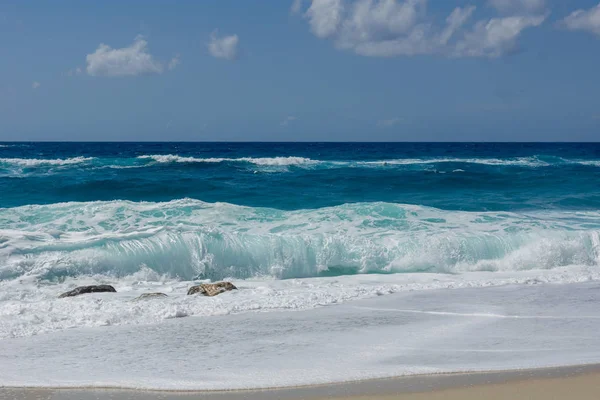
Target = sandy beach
(574,383)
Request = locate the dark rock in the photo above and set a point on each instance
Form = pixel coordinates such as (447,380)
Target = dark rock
(211,289)
(88,289)
(150,296)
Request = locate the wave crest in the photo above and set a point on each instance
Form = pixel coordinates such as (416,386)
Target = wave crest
(189,238)
(519,161)
(284,163)
(271,161)
(35,162)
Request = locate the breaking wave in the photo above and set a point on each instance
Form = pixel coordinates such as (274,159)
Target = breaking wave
(190,239)
(273,161)
(283,163)
(520,161)
(302,161)
(35,162)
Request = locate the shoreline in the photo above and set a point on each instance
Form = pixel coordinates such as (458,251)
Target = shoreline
(385,388)
(501,337)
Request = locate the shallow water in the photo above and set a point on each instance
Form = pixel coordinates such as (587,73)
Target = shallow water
(417,332)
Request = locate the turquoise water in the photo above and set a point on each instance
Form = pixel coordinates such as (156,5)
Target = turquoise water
(242,210)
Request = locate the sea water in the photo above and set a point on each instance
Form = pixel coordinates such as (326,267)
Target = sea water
(296,227)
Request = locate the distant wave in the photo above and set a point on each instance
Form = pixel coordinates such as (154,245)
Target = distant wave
(275,161)
(588,162)
(286,161)
(282,164)
(532,162)
(520,161)
(35,162)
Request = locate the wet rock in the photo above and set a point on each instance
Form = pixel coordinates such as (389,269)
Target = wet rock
(211,289)
(88,289)
(150,296)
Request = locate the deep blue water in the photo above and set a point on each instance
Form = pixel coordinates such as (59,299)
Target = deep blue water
(451,176)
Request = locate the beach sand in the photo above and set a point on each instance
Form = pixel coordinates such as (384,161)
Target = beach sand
(573,383)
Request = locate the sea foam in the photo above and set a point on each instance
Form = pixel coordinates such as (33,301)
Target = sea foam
(35,162)
(413,332)
(303,161)
(283,163)
(190,238)
(272,161)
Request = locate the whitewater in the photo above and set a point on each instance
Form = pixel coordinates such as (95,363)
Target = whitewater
(9,164)
(352,261)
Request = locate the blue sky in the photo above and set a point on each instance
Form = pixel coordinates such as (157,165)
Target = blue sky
(416,70)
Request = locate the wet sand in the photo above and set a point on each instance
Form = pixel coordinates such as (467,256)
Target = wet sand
(572,383)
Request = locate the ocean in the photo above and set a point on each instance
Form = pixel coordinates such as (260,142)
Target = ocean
(297,227)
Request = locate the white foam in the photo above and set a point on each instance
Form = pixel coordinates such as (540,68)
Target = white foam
(34,162)
(519,161)
(269,161)
(188,238)
(30,307)
(141,247)
(282,164)
(410,332)
(588,162)
(302,161)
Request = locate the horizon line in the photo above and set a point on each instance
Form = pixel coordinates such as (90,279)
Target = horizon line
(300,141)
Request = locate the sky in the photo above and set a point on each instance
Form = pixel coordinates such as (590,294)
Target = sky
(300,70)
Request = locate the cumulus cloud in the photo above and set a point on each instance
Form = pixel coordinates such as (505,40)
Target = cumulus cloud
(584,20)
(387,123)
(126,61)
(454,22)
(325,16)
(175,61)
(518,6)
(390,28)
(35,85)
(496,36)
(288,120)
(225,47)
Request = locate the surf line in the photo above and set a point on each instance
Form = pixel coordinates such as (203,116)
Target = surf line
(478,315)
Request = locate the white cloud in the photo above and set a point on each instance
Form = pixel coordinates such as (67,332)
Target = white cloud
(175,61)
(287,120)
(35,85)
(325,16)
(387,123)
(127,61)
(386,28)
(584,20)
(454,22)
(496,36)
(518,6)
(390,28)
(223,47)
